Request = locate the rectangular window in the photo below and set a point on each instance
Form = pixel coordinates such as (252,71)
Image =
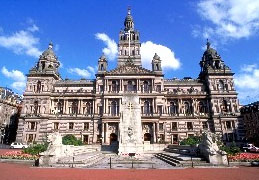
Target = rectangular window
(56,125)
(99,140)
(228,124)
(30,138)
(204,125)
(161,126)
(86,126)
(158,88)
(174,126)
(159,110)
(71,125)
(33,125)
(189,126)
(175,139)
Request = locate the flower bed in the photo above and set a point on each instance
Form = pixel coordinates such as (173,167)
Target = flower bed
(18,155)
(244,157)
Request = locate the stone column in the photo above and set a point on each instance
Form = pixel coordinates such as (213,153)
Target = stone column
(106,133)
(103,133)
(154,132)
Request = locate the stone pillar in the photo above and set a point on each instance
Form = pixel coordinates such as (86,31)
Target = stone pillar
(154,132)
(106,133)
(103,133)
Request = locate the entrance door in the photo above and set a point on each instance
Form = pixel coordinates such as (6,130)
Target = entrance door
(85,139)
(147,137)
(113,138)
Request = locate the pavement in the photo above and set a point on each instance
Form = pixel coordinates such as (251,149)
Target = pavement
(24,172)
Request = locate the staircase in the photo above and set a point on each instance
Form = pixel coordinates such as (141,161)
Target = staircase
(80,160)
(180,160)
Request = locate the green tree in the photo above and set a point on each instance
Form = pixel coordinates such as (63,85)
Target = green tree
(71,140)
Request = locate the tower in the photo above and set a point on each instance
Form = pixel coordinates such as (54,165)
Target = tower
(102,64)
(156,64)
(36,102)
(224,105)
(129,44)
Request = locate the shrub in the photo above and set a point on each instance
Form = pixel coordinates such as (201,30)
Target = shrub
(36,149)
(193,140)
(232,149)
(71,140)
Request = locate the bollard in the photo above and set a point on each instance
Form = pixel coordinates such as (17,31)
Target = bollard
(110,162)
(132,164)
(73,162)
(192,161)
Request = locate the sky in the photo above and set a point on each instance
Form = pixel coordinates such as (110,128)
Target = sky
(83,30)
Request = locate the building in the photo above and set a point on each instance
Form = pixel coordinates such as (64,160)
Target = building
(250,115)
(10,106)
(171,109)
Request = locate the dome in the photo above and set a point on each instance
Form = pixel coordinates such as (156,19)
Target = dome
(210,51)
(49,51)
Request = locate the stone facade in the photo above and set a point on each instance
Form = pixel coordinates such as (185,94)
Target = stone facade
(10,106)
(171,109)
(250,115)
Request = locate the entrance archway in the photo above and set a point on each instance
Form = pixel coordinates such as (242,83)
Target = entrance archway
(147,137)
(113,137)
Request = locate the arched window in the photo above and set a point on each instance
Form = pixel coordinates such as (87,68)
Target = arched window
(173,108)
(60,108)
(38,86)
(202,108)
(74,108)
(146,87)
(147,108)
(114,108)
(187,108)
(102,68)
(36,106)
(221,86)
(88,108)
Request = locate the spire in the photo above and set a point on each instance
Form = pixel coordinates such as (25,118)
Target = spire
(208,44)
(50,45)
(128,23)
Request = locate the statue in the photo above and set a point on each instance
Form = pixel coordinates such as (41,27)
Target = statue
(210,149)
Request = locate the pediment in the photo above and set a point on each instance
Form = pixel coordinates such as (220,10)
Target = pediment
(129,69)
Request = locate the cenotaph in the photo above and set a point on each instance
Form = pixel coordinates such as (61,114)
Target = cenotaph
(130,135)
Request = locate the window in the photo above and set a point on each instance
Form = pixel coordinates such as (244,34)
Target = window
(86,126)
(60,108)
(146,87)
(36,104)
(174,126)
(173,108)
(71,126)
(202,107)
(74,108)
(56,125)
(204,125)
(158,88)
(113,108)
(101,88)
(85,139)
(30,138)
(189,126)
(32,125)
(114,86)
(228,124)
(130,86)
(188,108)
(161,126)
(38,86)
(221,86)
(159,110)
(147,108)
(88,108)
(100,110)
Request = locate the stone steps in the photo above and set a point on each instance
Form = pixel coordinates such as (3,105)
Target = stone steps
(181,160)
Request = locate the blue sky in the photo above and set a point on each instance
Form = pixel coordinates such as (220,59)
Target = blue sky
(82,30)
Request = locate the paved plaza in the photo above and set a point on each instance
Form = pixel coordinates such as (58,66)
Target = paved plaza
(24,172)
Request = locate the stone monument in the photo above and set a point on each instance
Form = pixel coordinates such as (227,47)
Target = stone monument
(210,149)
(130,135)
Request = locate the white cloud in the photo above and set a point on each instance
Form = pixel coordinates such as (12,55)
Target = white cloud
(22,42)
(18,77)
(80,72)
(33,28)
(111,51)
(92,69)
(230,18)
(247,83)
(148,50)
